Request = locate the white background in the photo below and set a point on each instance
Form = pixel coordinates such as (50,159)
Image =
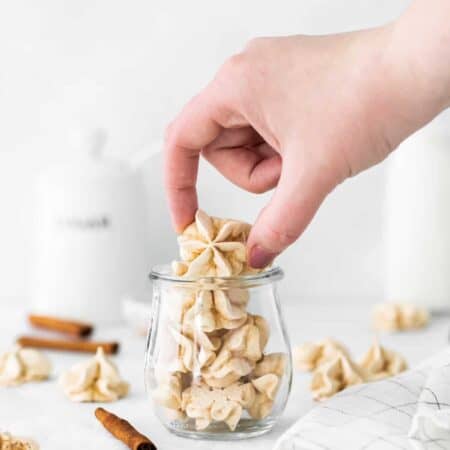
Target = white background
(129,66)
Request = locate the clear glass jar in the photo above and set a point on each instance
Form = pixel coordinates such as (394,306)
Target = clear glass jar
(218,362)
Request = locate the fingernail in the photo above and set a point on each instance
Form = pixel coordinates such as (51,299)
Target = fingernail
(260,257)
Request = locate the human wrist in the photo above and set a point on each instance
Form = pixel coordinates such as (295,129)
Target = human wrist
(412,70)
(421,43)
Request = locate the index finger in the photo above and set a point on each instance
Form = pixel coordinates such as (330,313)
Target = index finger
(194,128)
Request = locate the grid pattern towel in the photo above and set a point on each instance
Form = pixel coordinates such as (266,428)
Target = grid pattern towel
(409,411)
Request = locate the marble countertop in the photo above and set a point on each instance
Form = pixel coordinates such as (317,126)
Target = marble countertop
(41,411)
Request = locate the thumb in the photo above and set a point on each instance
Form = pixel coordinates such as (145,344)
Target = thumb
(301,190)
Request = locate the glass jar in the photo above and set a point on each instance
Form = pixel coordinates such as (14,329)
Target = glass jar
(218,362)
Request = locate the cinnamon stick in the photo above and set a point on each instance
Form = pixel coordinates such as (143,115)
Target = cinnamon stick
(70,327)
(124,431)
(66,345)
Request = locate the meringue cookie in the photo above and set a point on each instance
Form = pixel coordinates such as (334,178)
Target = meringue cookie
(271,363)
(249,340)
(399,317)
(22,365)
(230,307)
(206,404)
(181,300)
(243,393)
(214,310)
(212,247)
(186,351)
(261,407)
(196,403)
(168,393)
(380,362)
(244,342)
(9,442)
(227,411)
(334,376)
(267,385)
(94,380)
(226,369)
(311,355)
(199,315)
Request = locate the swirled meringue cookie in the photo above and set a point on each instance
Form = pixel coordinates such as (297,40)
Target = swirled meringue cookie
(168,393)
(22,365)
(213,247)
(9,442)
(311,355)
(380,362)
(271,363)
(335,375)
(399,317)
(94,380)
(207,404)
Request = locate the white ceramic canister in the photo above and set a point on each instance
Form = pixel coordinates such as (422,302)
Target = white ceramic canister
(92,239)
(418,219)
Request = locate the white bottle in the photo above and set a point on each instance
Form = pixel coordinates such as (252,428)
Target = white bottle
(418,219)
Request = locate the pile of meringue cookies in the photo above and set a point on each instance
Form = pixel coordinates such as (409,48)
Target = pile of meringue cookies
(333,369)
(330,362)
(219,369)
(96,379)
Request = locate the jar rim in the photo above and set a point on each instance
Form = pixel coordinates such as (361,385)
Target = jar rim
(163,272)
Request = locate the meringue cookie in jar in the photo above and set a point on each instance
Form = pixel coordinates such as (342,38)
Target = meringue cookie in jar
(218,363)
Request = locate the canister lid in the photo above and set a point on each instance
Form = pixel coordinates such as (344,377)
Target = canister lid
(89,160)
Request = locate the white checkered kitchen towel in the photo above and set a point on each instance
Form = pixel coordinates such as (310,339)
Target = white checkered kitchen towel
(410,411)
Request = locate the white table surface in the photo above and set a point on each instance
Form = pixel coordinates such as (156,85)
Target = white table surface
(41,411)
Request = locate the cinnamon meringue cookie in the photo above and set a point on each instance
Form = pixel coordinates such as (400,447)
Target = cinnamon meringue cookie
(226,411)
(271,363)
(241,349)
(399,317)
(198,352)
(213,247)
(22,365)
(168,392)
(201,314)
(94,380)
(311,355)
(186,351)
(196,403)
(214,310)
(242,393)
(226,369)
(9,442)
(181,301)
(230,307)
(335,375)
(206,404)
(245,342)
(261,407)
(380,362)
(267,385)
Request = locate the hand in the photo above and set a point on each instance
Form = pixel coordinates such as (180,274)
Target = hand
(300,114)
